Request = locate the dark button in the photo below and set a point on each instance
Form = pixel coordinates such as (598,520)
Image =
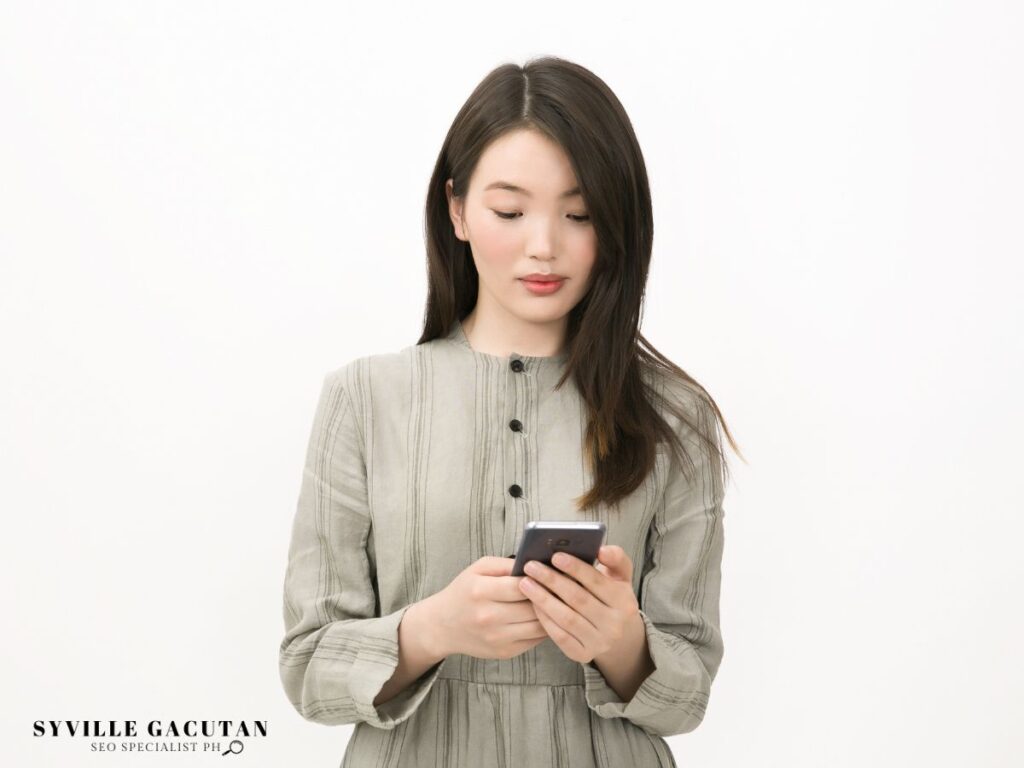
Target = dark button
(515,425)
(515,490)
(517,365)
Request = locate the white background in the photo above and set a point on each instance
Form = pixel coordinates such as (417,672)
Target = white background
(205,206)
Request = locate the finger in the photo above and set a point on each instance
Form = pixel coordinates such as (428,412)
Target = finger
(506,589)
(564,639)
(569,594)
(571,620)
(526,629)
(522,613)
(616,562)
(595,582)
(491,565)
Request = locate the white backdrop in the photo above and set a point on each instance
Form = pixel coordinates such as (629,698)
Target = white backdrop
(205,206)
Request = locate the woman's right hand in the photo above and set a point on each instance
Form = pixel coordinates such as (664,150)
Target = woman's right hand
(483,613)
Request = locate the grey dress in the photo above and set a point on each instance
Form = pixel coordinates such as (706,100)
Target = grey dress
(406,482)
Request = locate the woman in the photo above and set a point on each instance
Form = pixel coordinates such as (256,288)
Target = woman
(527,397)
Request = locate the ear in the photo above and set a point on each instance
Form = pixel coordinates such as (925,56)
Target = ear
(455,210)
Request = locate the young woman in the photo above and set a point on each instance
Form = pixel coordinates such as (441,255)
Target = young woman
(527,397)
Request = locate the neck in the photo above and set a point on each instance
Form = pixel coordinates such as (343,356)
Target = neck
(502,335)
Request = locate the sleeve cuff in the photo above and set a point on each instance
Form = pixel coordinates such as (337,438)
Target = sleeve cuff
(375,663)
(663,696)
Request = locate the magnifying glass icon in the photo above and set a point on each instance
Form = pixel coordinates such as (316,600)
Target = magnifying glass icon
(232,750)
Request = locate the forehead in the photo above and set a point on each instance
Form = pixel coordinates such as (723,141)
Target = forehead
(527,159)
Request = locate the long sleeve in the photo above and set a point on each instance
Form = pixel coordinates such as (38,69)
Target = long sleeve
(679,602)
(337,650)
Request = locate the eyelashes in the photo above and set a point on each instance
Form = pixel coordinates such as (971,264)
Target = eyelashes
(509,216)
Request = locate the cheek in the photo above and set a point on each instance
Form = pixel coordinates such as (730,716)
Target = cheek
(496,248)
(586,252)
(582,254)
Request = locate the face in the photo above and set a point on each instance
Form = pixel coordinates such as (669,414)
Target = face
(536,228)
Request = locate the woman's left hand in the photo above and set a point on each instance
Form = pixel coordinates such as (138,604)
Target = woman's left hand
(587,610)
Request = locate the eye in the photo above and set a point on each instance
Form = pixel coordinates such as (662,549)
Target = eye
(582,218)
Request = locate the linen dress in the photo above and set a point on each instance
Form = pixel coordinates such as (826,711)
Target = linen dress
(420,462)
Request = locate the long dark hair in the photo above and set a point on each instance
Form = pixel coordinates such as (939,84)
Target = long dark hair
(617,379)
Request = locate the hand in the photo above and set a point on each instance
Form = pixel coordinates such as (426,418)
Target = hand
(482,613)
(586,610)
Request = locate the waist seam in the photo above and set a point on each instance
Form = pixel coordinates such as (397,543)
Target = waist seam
(517,685)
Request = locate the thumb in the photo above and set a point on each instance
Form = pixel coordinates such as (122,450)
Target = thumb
(614,563)
(492,565)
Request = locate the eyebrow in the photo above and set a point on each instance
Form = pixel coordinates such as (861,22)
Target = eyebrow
(509,186)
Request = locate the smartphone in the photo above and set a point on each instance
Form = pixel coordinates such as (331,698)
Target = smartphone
(541,539)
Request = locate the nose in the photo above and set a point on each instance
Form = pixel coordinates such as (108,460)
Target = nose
(540,242)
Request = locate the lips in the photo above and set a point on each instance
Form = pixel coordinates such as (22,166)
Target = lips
(544,287)
(542,278)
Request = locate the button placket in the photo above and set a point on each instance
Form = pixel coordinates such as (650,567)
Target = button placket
(516,505)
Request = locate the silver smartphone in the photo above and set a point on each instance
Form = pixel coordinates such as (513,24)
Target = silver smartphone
(541,539)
